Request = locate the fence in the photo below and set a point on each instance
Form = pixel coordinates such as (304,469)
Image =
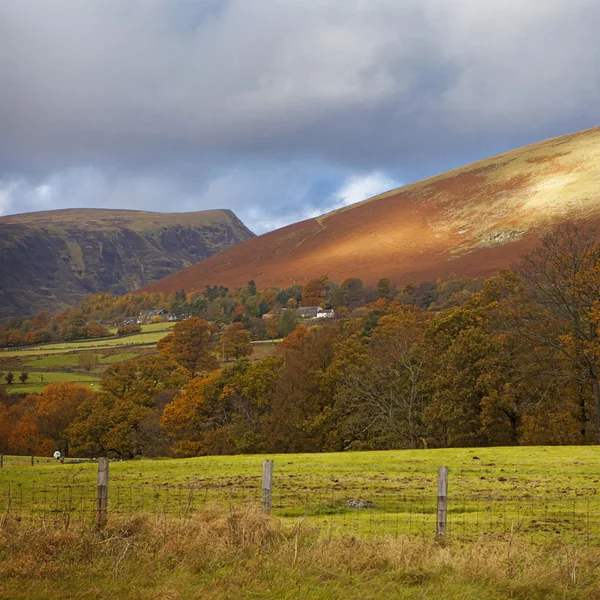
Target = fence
(435,512)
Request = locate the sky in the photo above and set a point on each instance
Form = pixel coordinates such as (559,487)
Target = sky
(280,110)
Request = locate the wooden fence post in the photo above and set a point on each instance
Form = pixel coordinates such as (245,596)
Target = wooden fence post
(102,492)
(267,486)
(1,461)
(32,459)
(442,502)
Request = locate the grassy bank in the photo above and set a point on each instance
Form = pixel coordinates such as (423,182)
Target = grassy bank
(242,554)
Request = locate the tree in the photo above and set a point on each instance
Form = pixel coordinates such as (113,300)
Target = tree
(251,289)
(41,320)
(272,327)
(382,392)
(353,292)
(561,287)
(191,345)
(9,377)
(263,308)
(95,330)
(288,322)
(188,415)
(314,292)
(384,289)
(129,329)
(24,376)
(113,421)
(14,338)
(236,342)
(88,360)
(56,408)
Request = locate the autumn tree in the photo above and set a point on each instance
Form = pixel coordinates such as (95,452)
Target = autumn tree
(26,438)
(314,292)
(272,327)
(381,397)
(561,286)
(56,408)
(191,344)
(41,320)
(112,421)
(129,329)
(236,342)
(301,417)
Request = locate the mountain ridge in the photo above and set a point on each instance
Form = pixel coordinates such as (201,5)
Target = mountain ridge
(49,260)
(473,220)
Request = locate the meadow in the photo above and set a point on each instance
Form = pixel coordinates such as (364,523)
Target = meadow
(225,546)
(146,338)
(40,379)
(544,493)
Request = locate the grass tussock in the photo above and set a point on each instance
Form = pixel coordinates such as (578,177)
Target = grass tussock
(244,554)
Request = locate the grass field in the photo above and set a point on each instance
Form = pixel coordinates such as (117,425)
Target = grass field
(72,360)
(533,471)
(540,492)
(140,339)
(149,328)
(38,380)
(226,547)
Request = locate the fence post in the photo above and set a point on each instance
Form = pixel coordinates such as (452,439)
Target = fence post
(32,461)
(267,486)
(1,461)
(442,503)
(102,492)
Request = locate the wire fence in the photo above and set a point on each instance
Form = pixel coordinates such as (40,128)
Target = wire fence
(573,519)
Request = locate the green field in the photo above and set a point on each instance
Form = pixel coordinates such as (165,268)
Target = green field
(140,339)
(193,528)
(72,360)
(38,380)
(149,328)
(541,491)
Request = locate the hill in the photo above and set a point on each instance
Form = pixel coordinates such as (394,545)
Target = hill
(51,260)
(472,221)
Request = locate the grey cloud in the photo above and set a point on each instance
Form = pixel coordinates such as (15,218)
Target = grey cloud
(264,196)
(157,82)
(277,108)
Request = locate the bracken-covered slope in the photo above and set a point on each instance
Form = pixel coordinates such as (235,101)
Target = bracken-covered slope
(473,221)
(51,260)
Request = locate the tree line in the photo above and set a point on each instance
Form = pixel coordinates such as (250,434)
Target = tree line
(220,305)
(514,362)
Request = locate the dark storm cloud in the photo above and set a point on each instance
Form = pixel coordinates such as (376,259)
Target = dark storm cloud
(188,94)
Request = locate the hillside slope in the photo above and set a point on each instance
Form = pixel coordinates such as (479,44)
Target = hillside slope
(50,260)
(473,221)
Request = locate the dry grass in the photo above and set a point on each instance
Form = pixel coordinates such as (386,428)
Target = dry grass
(243,554)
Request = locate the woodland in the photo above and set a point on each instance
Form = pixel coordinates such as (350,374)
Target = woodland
(513,360)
